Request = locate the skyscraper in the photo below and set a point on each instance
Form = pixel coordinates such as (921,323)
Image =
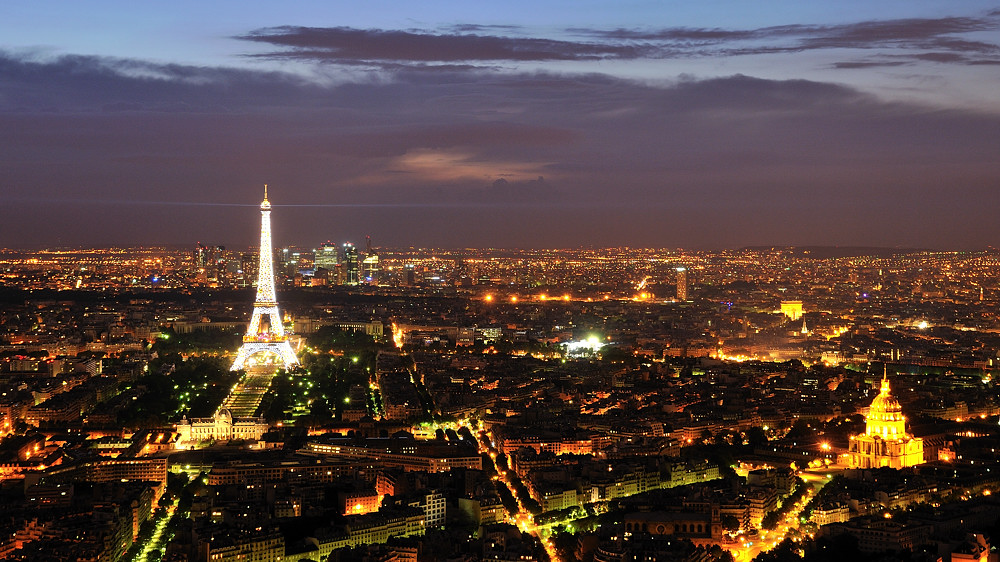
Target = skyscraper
(326,257)
(369,266)
(265,342)
(351,264)
(682,284)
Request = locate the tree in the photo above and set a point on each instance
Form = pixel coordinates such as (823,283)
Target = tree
(770,520)
(786,551)
(756,436)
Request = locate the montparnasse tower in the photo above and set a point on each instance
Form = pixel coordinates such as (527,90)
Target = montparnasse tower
(885,442)
(265,343)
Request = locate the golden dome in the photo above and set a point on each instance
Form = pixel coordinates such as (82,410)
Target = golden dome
(885,416)
(885,402)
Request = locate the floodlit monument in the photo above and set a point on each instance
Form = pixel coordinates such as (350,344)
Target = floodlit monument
(265,342)
(885,442)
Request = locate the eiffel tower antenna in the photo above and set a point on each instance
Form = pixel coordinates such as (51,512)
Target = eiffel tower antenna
(265,342)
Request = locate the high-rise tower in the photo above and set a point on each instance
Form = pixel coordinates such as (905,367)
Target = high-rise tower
(682,284)
(351,264)
(265,342)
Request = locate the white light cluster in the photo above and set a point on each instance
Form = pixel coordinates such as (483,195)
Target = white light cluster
(583,348)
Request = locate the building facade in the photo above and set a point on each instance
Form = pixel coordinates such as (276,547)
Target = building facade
(220,427)
(885,442)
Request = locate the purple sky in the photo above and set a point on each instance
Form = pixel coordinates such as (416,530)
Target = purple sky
(541,124)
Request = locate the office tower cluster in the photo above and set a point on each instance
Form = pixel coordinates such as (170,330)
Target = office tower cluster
(330,264)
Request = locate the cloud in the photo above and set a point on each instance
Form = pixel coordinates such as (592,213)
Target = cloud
(686,163)
(915,58)
(911,33)
(867,64)
(949,40)
(346,44)
(892,35)
(74,82)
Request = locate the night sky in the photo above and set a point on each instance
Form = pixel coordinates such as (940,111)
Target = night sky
(518,123)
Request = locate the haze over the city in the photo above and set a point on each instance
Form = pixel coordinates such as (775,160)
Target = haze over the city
(545,124)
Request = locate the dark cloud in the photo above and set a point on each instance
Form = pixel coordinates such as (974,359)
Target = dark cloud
(477,28)
(695,36)
(923,33)
(472,44)
(914,33)
(703,35)
(940,57)
(867,64)
(74,83)
(911,59)
(93,147)
(342,43)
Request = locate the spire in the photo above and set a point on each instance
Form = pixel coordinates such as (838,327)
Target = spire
(265,267)
(885,381)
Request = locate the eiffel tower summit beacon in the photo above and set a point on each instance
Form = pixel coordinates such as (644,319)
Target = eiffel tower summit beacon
(265,344)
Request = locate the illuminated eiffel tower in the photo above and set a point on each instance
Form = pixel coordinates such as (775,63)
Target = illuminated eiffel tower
(265,343)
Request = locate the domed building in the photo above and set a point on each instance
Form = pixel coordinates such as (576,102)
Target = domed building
(885,442)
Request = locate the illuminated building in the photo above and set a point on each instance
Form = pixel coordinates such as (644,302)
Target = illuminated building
(402,453)
(265,342)
(434,506)
(248,268)
(792,309)
(351,265)
(369,266)
(228,546)
(885,442)
(698,522)
(360,502)
(261,472)
(379,527)
(682,284)
(484,510)
(877,534)
(222,427)
(326,257)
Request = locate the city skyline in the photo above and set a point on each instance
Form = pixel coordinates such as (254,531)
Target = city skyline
(690,405)
(647,125)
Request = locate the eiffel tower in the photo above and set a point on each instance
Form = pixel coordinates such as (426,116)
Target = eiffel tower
(265,343)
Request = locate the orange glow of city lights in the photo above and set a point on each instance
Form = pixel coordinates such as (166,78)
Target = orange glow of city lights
(488,298)
(825,446)
(565,297)
(513,299)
